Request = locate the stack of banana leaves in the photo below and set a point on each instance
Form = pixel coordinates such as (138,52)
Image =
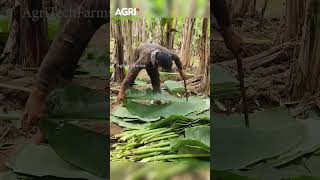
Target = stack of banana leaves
(276,146)
(161,127)
(75,150)
(223,83)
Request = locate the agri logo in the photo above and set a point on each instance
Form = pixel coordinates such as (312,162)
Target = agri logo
(126,12)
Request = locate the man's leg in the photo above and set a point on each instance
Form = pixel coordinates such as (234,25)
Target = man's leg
(155,79)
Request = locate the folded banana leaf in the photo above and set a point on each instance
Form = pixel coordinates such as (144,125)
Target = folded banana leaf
(174,86)
(223,83)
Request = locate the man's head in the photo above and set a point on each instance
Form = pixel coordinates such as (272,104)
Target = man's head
(164,60)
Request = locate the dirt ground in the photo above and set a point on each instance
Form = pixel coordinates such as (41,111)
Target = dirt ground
(266,75)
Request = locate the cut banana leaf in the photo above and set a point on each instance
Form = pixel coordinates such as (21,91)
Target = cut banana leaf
(42,161)
(268,173)
(122,112)
(266,120)
(80,147)
(151,95)
(189,146)
(200,133)
(220,75)
(171,121)
(129,124)
(223,83)
(174,86)
(311,143)
(237,147)
(195,104)
(77,102)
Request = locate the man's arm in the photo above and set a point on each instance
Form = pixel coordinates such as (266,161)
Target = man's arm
(67,48)
(62,57)
(222,14)
(129,79)
(178,63)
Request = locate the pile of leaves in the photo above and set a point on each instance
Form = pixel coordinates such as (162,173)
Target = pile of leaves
(276,146)
(172,130)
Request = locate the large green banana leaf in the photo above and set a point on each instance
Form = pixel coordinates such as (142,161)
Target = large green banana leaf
(236,147)
(195,104)
(81,147)
(45,162)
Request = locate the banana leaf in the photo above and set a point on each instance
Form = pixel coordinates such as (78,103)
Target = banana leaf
(238,147)
(122,112)
(196,140)
(129,124)
(223,83)
(200,133)
(170,121)
(80,147)
(174,86)
(42,161)
(76,102)
(151,95)
(310,144)
(195,104)
(271,133)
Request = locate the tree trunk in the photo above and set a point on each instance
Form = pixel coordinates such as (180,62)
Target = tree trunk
(144,34)
(28,40)
(187,41)
(305,72)
(170,32)
(205,83)
(292,21)
(128,41)
(33,34)
(11,51)
(118,75)
(242,8)
(203,48)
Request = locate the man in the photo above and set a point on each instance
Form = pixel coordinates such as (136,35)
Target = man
(150,57)
(62,58)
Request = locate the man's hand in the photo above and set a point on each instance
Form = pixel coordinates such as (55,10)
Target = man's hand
(183,76)
(232,40)
(35,109)
(121,96)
